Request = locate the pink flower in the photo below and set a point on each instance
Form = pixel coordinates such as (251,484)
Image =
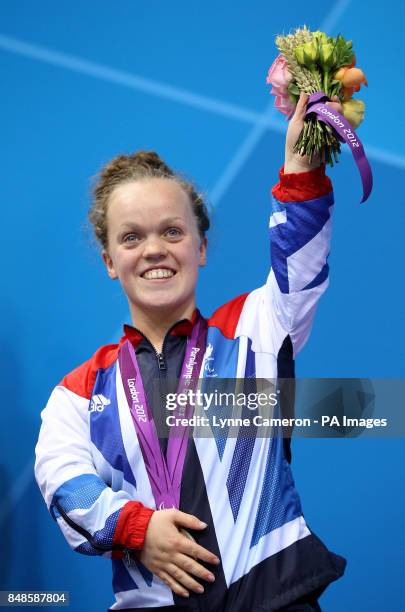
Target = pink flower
(285,106)
(279,77)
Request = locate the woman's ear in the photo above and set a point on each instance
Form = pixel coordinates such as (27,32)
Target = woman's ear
(203,251)
(109,265)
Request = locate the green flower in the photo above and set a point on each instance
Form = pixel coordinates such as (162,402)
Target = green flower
(319,37)
(326,55)
(306,54)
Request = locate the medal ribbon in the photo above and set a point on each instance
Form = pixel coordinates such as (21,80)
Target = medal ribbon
(164,474)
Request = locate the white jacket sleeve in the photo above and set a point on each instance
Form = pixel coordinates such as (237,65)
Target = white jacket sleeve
(83,505)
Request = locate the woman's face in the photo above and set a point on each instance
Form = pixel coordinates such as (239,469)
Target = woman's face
(154,247)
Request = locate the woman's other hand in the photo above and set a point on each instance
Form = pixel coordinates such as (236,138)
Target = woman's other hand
(172,556)
(294,162)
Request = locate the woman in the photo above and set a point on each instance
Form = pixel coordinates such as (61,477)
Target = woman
(238,541)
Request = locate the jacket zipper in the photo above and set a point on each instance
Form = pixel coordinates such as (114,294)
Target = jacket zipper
(161,361)
(160,356)
(162,374)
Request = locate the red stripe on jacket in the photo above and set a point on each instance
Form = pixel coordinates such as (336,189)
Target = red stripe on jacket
(226,317)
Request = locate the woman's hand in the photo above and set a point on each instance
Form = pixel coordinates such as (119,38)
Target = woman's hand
(172,556)
(294,162)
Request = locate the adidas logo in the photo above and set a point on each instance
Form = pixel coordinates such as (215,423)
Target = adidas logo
(98,403)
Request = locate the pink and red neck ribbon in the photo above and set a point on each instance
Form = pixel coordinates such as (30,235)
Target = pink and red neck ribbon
(164,473)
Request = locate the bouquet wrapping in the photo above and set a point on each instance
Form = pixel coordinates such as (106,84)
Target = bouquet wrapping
(325,68)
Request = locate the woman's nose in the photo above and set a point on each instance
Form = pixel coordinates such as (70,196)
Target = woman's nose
(154,247)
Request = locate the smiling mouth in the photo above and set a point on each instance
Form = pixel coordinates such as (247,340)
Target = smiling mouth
(158,273)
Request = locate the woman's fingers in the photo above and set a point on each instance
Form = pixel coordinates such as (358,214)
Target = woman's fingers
(336,104)
(301,107)
(183,578)
(188,546)
(191,566)
(195,551)
(189,521)
(175,586)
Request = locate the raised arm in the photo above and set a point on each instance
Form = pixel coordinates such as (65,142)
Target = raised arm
(280,313)
(300,232)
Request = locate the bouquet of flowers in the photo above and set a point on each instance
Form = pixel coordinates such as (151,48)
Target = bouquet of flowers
(313,62)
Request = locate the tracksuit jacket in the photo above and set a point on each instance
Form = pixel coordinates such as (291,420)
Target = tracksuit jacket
(89,464)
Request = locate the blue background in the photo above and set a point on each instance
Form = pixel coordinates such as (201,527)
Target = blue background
(85,81)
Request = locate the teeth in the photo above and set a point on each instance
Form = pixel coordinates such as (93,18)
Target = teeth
(158,273)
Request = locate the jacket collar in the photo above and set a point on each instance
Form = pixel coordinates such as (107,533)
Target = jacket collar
(181,328)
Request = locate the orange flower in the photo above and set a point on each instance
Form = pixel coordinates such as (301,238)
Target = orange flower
(350,77)
(353,77)
(349,91)
(338,76)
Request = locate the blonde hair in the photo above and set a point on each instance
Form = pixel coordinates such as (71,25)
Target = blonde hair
(138,166)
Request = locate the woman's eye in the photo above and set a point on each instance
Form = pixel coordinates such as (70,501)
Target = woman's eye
(173,232)
(130,238)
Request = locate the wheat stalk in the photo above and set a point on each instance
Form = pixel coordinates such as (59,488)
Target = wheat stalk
(307,80)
